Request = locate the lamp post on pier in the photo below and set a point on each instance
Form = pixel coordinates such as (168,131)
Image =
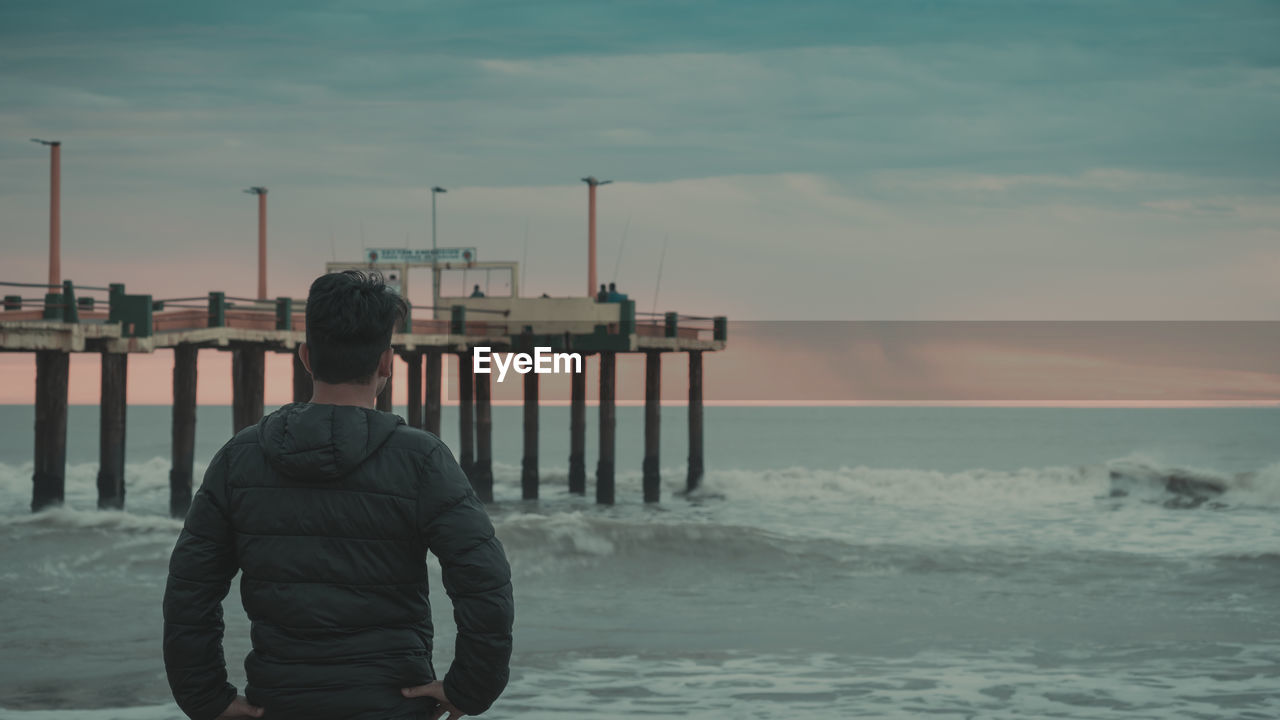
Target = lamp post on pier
(592,184)
(435,261)
(55,210)
(261,192)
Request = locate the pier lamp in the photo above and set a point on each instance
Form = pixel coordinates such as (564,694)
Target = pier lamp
(261,192)
(55,209)
(435,261)
(592,184)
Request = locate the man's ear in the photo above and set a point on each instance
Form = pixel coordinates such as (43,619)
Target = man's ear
(384,362)
(304,354)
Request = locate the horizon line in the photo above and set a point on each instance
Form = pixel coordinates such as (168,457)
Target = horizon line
(1135,404)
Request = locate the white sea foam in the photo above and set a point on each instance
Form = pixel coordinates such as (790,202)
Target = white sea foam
(906,486)
(1261,488)
(850,542)
(1222,681)
(778,513)
(1167,682)
(66,518)
(148,712)
(147,484)
(771,591)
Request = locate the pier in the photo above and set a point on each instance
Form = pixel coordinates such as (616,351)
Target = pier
(52,321)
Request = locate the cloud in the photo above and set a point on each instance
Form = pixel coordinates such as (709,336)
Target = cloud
(1023,362)
(785,246)
(991,160)
(507,67)
(1192,206)
(1017,94)
(1107,179)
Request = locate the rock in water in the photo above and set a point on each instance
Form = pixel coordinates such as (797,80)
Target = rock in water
(1188,489)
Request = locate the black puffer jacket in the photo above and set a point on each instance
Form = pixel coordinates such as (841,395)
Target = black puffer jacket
(329,511)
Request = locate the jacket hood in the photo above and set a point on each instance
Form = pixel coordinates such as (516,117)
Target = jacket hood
(308,441)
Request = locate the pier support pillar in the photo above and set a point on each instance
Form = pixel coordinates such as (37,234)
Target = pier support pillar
(431,411)
(302,384)
(482,480)
(248,374)
(605,466)
(413,408)
(111,431)
(695,421)
(384,398)
(578,432)
(652,425)
(184,428)
(529,464)
(466,422)
(48,482)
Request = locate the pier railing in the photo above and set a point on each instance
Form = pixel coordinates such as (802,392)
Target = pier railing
(141,315)
(675,325)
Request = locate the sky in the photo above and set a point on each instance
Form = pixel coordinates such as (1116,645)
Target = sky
(984,160)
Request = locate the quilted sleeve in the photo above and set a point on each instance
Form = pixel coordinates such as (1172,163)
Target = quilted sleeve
(477,578)
(200,571)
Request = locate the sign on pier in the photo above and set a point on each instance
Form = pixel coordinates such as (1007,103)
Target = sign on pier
(422,256)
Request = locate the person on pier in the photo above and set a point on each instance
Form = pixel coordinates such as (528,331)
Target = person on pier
(329,508)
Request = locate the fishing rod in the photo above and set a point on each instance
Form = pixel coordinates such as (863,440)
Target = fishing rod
(524,261)
(661,259)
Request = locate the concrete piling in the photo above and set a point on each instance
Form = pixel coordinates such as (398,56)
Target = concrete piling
(413,406)
(431,409)
(49,479)
(529,462)
(184,429)
(482,473)
(652,425)
(111,431)
(248,376)
(466,421)
(608,417)
(578,432)
(694,477)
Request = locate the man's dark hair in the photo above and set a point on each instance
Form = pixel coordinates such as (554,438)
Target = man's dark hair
(350,318)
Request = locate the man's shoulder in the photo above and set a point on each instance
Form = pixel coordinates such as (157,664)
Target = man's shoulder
(424,452)
(406,438)
(246,438)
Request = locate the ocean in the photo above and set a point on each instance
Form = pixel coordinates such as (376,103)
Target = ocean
(838,562)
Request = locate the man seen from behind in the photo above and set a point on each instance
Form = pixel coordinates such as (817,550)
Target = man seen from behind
(328,509)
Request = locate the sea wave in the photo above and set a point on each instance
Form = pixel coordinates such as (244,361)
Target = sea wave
(577,537)
(908,486)
(65,518)
(145,712)
(540,544)
(1191,487)
(1133,477)
(571,541)
(146,487)
(1160,679)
